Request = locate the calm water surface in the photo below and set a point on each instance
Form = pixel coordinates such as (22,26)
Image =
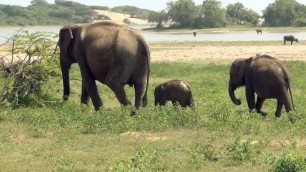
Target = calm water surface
(179,37)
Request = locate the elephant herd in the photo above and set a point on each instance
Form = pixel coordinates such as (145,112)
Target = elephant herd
(117,55)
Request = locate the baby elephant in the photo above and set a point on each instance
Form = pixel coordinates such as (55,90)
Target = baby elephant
(174,91)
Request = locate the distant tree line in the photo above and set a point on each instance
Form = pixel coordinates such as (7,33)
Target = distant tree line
(285,13)
(210,14)
(180,13)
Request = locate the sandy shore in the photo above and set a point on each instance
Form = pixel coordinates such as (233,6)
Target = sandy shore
(226,54)
(217,54)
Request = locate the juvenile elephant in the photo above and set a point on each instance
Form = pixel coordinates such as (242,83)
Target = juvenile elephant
(110,53)
(265,76)
(290,38)
(174,91)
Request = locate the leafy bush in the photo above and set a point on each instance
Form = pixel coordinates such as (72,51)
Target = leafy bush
(242,151)
(290,162)
(31,65)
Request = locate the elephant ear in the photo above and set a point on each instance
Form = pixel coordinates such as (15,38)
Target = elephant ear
(65,38)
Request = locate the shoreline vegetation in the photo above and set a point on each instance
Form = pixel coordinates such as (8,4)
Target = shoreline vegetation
(185,30)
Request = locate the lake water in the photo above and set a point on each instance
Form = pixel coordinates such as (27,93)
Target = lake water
(179,37)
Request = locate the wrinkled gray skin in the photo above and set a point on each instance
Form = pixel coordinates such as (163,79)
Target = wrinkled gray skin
(290,38)
(265,76)
(174,91)
(107,52)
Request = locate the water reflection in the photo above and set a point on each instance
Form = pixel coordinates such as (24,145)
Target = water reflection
(180,37)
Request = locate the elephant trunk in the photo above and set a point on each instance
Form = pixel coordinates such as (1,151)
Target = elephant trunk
(65,67)
(231,91)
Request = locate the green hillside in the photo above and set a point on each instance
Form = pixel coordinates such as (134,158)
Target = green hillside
(61,12)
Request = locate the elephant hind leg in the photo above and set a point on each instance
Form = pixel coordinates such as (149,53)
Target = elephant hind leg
(140,95)
(84,95)
(288,103)
(279,108)
(258,106)
(118,89)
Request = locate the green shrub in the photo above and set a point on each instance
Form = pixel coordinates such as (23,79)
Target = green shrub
(289,162)
(31,65)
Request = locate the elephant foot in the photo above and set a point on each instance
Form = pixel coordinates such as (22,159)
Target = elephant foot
(66,97)
(134,112)
(277,115)
(263,112)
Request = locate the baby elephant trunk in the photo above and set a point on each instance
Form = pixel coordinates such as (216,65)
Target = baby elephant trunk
(231,91)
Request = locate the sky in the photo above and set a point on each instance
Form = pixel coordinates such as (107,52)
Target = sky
(156,5)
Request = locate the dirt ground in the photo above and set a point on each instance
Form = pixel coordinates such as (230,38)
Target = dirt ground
(225,54)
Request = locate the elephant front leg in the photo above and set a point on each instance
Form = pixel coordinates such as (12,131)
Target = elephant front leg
(259,104)
(90,86)
(250,96)
(84,95)
(279,108)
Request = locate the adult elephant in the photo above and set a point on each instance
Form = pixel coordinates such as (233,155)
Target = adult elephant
(265,76)
(110,53)
(290,38)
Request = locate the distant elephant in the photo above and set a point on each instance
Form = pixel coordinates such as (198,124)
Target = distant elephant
(290,38)
(110,53)
(174,91)
(265,76)
(259,31)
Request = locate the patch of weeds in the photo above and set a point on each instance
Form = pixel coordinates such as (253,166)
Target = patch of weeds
(113,120)
(195,159)
(38,132)
(241,151)
(143,160)
(199,152)
(62,163)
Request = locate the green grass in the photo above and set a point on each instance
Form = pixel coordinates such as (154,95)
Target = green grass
(214,136)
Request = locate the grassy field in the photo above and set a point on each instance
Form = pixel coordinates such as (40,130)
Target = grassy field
(214,136)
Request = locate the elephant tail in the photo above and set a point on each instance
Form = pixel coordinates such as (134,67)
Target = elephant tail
(287,81)
(291,97)
(191,99)
(55,49)
(146,53)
